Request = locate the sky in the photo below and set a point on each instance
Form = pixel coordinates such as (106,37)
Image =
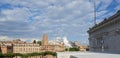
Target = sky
(30,19)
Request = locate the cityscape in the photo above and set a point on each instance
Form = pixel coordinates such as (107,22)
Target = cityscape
(59,29)
(35,47)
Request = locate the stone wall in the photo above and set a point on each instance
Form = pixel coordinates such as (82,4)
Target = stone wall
(106,37)
(86,55)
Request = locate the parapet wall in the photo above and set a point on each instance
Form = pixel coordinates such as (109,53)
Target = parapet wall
(86,55)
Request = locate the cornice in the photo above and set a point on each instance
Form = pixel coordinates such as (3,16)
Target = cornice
(108,21)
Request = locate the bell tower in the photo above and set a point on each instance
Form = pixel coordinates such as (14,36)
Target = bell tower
(45,39)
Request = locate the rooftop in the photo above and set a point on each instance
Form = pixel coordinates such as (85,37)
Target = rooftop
(106,20)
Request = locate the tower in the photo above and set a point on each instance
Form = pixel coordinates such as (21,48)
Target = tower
(94,12)
(76,44)
(45,39)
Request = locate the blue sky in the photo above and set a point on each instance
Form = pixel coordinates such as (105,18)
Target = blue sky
(71,18)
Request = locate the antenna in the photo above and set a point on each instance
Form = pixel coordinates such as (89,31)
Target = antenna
(94,12)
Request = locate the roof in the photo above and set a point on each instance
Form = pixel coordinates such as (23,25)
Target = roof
(106,20)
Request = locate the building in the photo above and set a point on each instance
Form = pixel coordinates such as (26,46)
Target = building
(83,48)
(48,47)
(16,41)
(45,40)
(31,47)
(76,44)
(53,48)
(26,48)
(105,36)
(18,46)
(6,48)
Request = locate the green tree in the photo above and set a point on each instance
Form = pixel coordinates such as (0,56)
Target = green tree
(50,53)
(34,41)
(8,55)
(1,55)
(39,42)
(73,49)
(66,49)
(27,54)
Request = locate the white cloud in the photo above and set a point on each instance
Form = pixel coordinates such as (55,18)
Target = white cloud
(16,14)
(55,17)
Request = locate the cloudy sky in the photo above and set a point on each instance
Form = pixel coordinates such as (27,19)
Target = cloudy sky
(57,18)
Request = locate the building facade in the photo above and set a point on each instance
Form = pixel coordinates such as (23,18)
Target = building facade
(18,46)
(47,47)
(6,48)
(26,48)
(105,36)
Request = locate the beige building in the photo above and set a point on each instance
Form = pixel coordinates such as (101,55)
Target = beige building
(26,48)
(83,48)
(16,41)
(18,46)
(31,47)
(6,48)
(53,48)
(45,39)
(47,47)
